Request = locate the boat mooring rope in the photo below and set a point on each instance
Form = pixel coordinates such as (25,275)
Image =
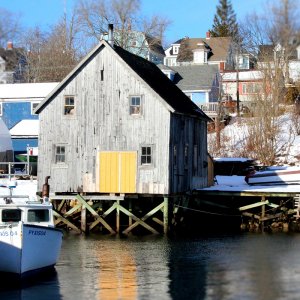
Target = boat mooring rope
(227,215)
(207,212)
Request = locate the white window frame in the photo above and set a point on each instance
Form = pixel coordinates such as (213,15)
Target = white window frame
(1,108)
(135,109)
(58,154)
(69,109)
(148,156)
(32,108)
(175,49)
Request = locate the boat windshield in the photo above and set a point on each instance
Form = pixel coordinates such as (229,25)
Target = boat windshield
(38,215)
(11,215)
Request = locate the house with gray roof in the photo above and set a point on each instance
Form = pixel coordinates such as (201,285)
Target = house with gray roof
(199,82)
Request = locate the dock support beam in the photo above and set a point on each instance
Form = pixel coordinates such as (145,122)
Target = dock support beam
(263,214)
(166,214)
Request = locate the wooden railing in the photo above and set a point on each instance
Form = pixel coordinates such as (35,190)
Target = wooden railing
(10,169)
(210,107)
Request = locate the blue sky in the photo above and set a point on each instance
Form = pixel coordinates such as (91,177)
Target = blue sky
(189,17)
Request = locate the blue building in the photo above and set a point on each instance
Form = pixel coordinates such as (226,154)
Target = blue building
(17,104)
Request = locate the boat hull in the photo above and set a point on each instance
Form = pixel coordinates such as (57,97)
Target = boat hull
(275,177)
(27,248)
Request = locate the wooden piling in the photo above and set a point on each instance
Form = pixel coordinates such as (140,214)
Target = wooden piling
(166,214)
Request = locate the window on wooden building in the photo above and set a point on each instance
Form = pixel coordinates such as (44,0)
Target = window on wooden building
(33,107)
(135,105)
(60,154)
(146,155)
(69,107)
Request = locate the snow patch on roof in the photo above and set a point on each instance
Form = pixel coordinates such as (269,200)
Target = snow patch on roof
(26,128)
(26,90)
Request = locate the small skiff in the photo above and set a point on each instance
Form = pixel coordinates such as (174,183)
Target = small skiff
(275,177)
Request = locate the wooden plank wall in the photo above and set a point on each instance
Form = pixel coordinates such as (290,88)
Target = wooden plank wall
(102,123)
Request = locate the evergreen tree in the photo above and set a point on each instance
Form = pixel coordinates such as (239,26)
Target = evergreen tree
(224,21)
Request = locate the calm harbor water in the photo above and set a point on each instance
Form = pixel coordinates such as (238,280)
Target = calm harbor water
(227,266)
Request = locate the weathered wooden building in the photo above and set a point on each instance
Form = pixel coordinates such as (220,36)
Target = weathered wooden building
(117,125)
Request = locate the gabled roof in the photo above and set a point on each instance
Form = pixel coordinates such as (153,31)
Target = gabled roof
(147,71)
(195,77)
(218,48)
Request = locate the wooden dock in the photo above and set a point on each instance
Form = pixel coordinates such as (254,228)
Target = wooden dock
(113,214)
(257,209)
(260,207)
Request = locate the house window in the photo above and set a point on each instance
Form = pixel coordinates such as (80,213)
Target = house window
(146,155)
(33,107)
(175,49)
(135,105)
(251,88)
(1,109)
(60,154)
(69,108)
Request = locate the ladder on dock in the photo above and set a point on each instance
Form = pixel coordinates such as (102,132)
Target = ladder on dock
(297,206)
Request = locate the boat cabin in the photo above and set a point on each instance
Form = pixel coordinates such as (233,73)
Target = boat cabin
(29,213)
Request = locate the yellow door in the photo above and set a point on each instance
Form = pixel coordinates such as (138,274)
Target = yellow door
(118,172)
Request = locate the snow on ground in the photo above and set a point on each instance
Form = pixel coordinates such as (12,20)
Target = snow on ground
(238,184)
(234,137)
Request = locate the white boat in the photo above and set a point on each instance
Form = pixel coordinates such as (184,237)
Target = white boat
(28,240)
(289,175)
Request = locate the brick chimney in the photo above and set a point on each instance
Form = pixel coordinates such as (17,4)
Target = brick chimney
(9,46)
(208,35)
(222,66)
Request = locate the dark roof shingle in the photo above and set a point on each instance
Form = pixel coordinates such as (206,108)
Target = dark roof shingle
(160,83)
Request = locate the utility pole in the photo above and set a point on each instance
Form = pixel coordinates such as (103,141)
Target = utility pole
(219,111)
(237,83)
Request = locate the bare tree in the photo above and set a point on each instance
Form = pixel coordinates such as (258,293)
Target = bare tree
(51,56)
(279,31)
(9,27)
(95,15)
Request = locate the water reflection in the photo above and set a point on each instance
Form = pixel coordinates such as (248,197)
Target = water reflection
(224,267)
(117,272)
(41,286)
(114,268)
(236,267)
